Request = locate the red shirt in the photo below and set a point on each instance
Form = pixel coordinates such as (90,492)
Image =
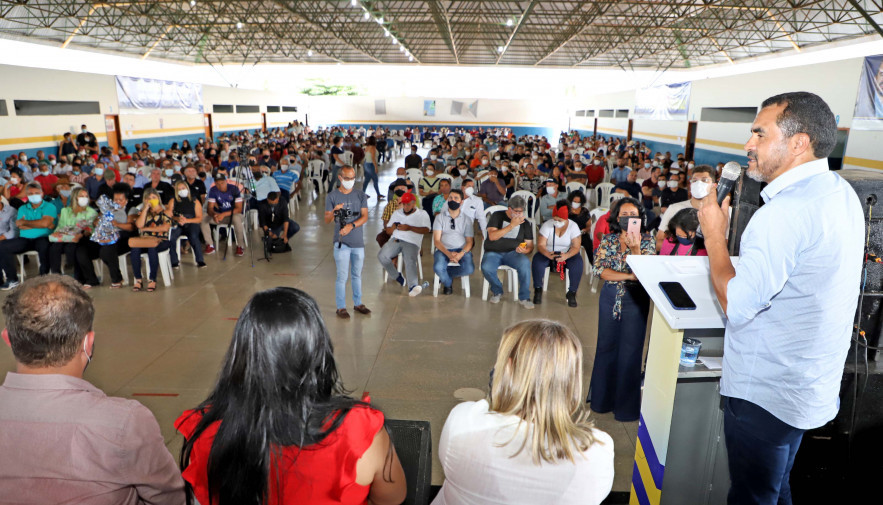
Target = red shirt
(325,473)
(47,182)
(595,173)
(602,227)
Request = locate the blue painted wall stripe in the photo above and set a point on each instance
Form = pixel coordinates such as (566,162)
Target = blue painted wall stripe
(638,484)
(657,469)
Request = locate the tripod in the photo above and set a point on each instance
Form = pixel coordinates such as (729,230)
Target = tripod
(245,178)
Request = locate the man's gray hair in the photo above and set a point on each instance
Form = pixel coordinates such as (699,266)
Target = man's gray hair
(516,202)
(34,185)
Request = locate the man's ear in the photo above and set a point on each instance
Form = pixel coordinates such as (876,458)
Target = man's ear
(5,334)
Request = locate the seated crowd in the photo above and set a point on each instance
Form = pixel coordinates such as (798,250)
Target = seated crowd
(278,390)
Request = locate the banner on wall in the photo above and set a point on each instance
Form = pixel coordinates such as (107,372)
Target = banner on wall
(150,95)
(429,107)
(667,102)
(472,109)
(869,102)
(456,108)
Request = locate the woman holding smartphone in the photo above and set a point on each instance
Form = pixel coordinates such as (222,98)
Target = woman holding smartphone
(622,314)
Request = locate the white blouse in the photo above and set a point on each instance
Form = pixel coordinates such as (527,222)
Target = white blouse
(480,472)
(560,244)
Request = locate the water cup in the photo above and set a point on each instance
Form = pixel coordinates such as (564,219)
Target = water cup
(690,351)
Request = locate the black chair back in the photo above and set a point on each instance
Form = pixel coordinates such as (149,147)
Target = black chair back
(413,443)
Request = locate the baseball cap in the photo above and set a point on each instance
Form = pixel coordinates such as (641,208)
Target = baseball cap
(408,197)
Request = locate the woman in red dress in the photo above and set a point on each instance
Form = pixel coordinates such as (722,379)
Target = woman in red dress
(278,427)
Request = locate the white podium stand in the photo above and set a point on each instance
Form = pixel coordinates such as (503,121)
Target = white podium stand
(680,454)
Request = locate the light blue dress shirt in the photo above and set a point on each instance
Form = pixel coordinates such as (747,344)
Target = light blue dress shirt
(791,305)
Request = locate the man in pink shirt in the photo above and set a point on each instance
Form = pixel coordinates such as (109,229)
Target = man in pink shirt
(62,440)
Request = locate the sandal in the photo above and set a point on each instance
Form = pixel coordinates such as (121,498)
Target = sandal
(116,285)
(136,286)
(151,286)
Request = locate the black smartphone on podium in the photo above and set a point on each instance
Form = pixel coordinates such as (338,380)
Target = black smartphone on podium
(677,296)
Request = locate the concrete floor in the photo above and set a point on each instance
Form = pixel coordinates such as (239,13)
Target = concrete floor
(164,348)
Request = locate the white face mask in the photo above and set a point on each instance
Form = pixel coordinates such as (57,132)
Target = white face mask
(699,189)
(430,173)
(560,224)
(183,193)
(348,184)
(496,158)
(551,190)
(672,184)
(469,191)
(433,157)
(83,201)
(575,205)
(504,170)
(484,162)
(689,165)
(661,183)
(578,168)
(53,162)
(284,168)
(597,162)
(646,165)
(132,170)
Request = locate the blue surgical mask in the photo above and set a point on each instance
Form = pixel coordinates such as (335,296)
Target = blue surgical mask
(98,171)
(685,240)
(65,193)
(169,172)
(35,199)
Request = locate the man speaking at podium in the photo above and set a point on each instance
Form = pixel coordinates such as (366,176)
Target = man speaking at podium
(791,300)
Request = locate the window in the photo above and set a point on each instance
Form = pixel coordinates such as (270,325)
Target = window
(3,110)
(590,113)
(580,113)
(728,114)
(624,113)
(289,108)
(54,108)
(605,113)
(247,108)
(222,108)
(274,108)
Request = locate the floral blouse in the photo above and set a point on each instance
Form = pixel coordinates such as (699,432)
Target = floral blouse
(610,255)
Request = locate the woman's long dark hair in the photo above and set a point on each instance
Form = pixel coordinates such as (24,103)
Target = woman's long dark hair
(278,386)
(613,220)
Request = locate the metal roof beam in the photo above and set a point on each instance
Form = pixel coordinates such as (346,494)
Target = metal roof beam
(443,21)
(524,16)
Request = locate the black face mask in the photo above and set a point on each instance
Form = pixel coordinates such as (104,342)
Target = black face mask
(252,163)
(409,212)
(399,192)
(624,222)
(452,205)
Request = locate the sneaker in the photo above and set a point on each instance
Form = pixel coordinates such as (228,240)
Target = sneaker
(6,286)
(176,266)
(201,264)
(240,251)
(527,304)
(209,249)
(448,290)
(538,296)
(496,298)
(401,280)
(571,299)
(416,290)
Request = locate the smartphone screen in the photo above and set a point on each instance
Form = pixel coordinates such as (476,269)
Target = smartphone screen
(634,226)
(677,295)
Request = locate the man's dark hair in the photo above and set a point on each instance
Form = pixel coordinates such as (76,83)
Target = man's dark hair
(708,169)
(272,195)
(806,113)
(458,192)
(121,188)
(47,318)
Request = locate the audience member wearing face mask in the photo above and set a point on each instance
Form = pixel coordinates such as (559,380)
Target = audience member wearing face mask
(700,185)
(558,249)
(681,238)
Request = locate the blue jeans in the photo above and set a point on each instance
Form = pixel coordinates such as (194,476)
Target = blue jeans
(191,231)
(370,175)
(493,260)
(616,374)
(445,273)
(152,260)
(574,266)
(349,261)
(760,453)
(292,229)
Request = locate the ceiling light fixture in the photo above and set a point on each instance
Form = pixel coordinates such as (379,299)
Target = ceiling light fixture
(402,49)
(500,49)
(508,22)
(386,32)
(239,25)
(410,58)
(380,20)
(310,52)
(367,15)
(354,3)
(192,3)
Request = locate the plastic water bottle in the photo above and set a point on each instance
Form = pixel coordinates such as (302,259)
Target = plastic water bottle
(425,285)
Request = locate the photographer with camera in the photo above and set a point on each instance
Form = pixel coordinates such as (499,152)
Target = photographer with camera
(273,219)
(348,208)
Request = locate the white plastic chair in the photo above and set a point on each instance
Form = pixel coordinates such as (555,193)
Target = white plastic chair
(414,174)
(399,265)
(165,266)
(464,280)
(98,265)
(566,278)
(616,196)
(574,186)
(602,194)
(21,263)
(511,272)
(314,173)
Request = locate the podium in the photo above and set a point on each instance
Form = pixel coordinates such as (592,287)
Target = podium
(680,454)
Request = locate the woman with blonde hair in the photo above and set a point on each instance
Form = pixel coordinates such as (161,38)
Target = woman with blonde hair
(153,226)
(530,441)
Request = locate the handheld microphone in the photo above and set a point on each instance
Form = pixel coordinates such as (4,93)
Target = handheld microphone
(729,175)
